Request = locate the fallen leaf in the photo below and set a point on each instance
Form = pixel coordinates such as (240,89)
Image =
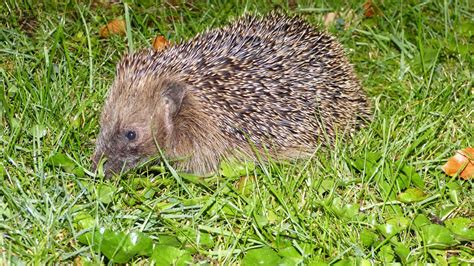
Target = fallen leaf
(78,261)
(369,9)
(292,4)
(411,195)
(114,27)
(463,162)
(160,43)
(329,18)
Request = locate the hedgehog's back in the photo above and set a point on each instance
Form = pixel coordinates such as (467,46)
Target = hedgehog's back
(271,79)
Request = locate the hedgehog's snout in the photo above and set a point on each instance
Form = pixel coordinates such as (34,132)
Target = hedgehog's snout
(99,158)
(113,164)
(110,165)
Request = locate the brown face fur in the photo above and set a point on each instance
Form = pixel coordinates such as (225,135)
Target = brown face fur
(137,119)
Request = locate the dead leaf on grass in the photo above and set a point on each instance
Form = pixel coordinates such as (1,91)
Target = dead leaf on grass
(160,43)
(463,162)
(114,27)
(369,9)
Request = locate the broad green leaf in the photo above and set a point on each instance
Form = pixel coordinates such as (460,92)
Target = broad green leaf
(137,183)
(291,256)
(84,220)
(365,262)
(282,242)
(169,241)
(373,157)
(385,188)
(345,210)
(421,220)
(415,178)
(462,227)
(68,165)
(261,256)
(285,261)
(193,179)
(204,240)
(201,238)
(272,216)
(236,169)
(60,159)
(78,172)
(164,255)
(317,262)
(393,226)
(386,254)
(119,247)
(402,251)
(350,210)
(350,261)
(306,248)
(246,184)
(466,29)
(141,243)
(148,193)
(326,185)
(105,193)
(261,220)
(367,237)
(437,236)
(411,195)
(365,165)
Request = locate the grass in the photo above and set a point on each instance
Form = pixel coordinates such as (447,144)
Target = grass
(345,206)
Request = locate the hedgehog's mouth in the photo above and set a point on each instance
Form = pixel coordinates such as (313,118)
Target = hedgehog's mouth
(121,167)
(114,166)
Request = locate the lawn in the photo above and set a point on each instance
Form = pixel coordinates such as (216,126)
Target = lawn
(378,198)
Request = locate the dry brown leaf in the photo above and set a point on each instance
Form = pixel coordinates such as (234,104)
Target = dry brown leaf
(369,9)
(462,161)
(114,27)
(78,261)
(292,4)
(329,18)
(160,43)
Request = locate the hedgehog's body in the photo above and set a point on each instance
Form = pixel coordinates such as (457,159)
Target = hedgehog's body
(271,83)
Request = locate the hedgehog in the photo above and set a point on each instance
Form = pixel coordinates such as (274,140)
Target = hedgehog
(268,85)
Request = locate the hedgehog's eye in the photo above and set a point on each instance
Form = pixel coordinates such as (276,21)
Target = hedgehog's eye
(131,135)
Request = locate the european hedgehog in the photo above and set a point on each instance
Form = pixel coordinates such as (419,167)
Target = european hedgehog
(270,84)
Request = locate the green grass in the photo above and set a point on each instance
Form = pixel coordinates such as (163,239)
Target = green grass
(415,59)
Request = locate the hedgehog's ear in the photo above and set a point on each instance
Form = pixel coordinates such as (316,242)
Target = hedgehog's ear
(173,95)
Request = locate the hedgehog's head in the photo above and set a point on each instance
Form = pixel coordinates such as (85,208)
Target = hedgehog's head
(138,118)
